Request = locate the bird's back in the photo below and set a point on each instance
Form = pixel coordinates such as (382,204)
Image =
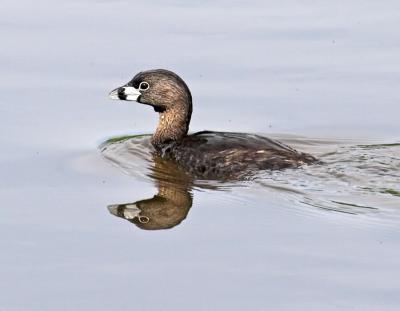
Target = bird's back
(225,155)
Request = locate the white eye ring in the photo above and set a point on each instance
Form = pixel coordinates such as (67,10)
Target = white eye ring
(143,86)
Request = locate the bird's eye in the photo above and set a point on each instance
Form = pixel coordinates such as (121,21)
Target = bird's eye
(143,86)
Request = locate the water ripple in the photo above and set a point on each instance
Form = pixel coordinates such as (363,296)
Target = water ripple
(353,178)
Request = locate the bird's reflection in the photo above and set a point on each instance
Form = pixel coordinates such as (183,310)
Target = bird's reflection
(169,207)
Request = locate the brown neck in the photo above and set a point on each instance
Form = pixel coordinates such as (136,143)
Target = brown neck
(173,124)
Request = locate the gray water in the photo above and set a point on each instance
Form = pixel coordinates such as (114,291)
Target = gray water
(320,76)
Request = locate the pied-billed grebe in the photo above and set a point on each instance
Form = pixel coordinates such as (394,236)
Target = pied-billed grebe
(205,154)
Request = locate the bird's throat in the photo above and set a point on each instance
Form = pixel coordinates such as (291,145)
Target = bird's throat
(173,125)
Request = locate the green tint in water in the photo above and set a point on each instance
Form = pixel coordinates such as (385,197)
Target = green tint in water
(374,146)
(392,192)
(117,139)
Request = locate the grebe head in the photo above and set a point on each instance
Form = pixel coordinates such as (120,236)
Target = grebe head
(168,94)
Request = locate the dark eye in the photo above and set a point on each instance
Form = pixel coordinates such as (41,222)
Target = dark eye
(143,86)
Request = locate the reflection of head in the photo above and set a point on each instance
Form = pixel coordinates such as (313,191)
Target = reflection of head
(168,207)
(155,213)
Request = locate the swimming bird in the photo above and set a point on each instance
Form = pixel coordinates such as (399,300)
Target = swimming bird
(206,154)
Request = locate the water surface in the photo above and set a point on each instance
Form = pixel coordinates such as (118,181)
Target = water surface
(325,75)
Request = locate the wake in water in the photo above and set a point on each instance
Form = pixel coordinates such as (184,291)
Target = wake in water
(353,178)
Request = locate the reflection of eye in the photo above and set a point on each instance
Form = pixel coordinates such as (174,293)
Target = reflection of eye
(143,86)
(143,219)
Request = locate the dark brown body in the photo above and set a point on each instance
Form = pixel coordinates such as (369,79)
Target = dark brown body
(225,155)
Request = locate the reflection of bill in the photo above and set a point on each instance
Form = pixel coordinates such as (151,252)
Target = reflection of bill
(168,207)
(129,212)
